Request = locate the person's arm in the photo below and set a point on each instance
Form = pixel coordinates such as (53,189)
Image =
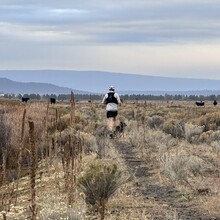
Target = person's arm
(104,98)
(118,98)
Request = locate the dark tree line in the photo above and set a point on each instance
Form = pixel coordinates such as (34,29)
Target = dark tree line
(133,97)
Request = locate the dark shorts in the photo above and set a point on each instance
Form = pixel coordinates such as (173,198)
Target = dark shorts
(111,114)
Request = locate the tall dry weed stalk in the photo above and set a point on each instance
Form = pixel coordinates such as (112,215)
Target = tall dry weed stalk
(21,144)
(55,137)
(20,153)
(4,165)
(33,206)
(66,162)
(72,157)
(72,179)
(7,199)
(72,114)
(5,137)
(79,153)
(4,216)
(47,136)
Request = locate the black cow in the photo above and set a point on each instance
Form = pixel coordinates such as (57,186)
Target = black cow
(52,101)
(200,103)
(215,103)
(24,99)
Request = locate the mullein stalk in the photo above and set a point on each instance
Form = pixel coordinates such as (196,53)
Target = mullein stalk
(33,206)
(72,114)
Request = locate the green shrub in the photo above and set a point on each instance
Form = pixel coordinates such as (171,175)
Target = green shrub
(99,183)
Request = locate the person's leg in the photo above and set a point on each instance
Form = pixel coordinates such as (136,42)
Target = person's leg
(111,119)
(111,126)
(111,123)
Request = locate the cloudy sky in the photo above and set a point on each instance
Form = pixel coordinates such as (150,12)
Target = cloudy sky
(178,38)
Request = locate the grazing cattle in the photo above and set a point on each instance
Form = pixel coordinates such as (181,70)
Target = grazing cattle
(24,99)
(52,101)
(215,103)
(200,103)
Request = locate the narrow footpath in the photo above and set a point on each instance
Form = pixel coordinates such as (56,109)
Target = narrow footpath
(170,203)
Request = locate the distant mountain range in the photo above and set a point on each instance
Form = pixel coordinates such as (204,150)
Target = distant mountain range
(9,86)
(84,82)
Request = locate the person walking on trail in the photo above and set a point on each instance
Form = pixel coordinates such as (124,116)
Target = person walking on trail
(111,99)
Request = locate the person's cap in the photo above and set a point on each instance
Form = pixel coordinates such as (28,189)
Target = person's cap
(111,88)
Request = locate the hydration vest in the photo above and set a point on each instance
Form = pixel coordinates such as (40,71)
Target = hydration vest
(111,98)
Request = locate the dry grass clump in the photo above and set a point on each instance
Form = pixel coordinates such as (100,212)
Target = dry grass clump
(54,206)
(210,121)
(155,121)
(89,142)
(179,167)
(135,135)
(175,167)
(9,102)
(128,112)
(162,113)
(209,137)
(80,121)
(174,127)
(193,132)
(216,147)
(90,113)
(59,123)
(79,118)
(214,136)
(62,213)
(100,129)
(147,143)
(195,165)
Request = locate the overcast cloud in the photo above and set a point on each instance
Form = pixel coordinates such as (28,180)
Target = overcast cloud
(152,37)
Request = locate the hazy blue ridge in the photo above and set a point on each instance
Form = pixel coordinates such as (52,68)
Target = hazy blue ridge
(98,82)
(9,86)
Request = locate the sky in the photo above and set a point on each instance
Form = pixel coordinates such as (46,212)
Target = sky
(173,38)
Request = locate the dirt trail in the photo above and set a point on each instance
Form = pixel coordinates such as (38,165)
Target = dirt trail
(168,199)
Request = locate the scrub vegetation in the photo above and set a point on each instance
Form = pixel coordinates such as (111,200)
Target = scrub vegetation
(58,162)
